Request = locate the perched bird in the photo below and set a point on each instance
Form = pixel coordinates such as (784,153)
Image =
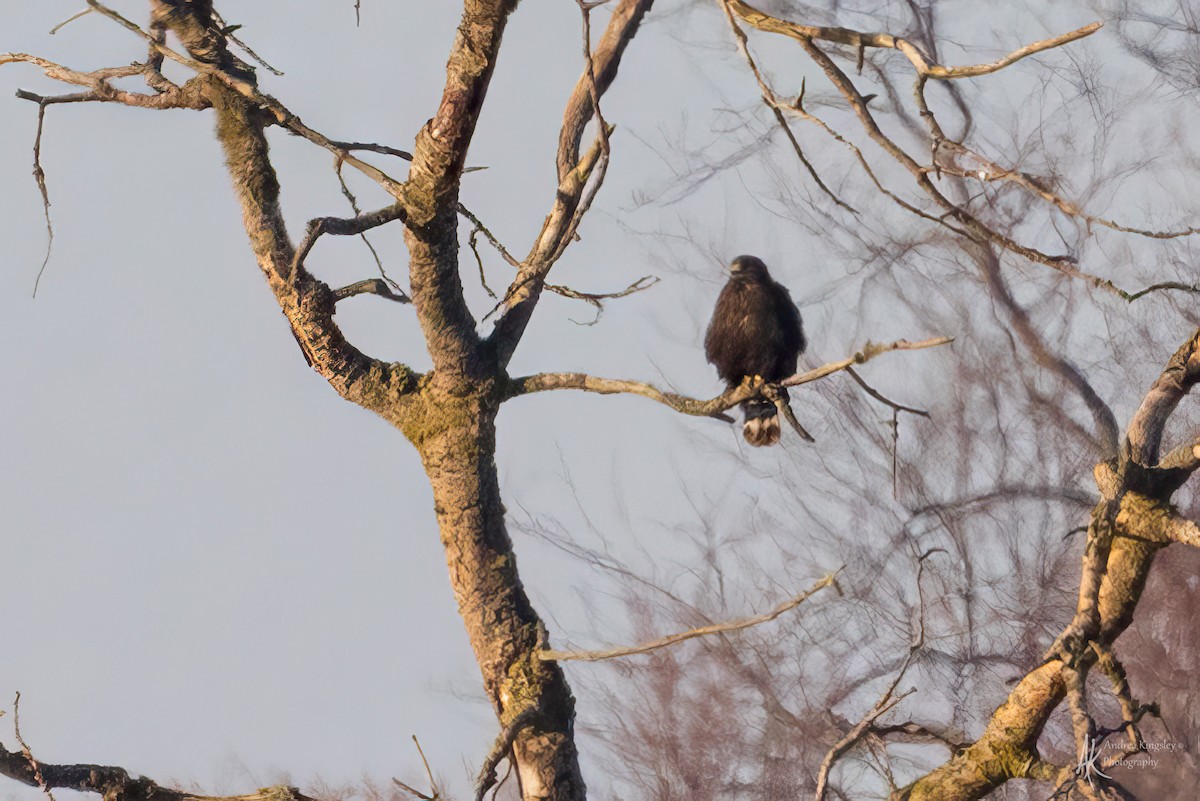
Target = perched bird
(755,332)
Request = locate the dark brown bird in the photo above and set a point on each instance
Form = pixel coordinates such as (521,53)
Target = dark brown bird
(755,331)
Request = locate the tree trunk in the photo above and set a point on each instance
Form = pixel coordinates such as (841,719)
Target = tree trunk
(456,437)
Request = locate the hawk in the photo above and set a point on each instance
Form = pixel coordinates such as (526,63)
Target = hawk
(755,331)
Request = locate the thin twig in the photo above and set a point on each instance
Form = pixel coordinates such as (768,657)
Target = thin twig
(473,243)
(433,788)
(39,175)
(595,299)
(338,226)
(768,96)
(69,20)
(353,201)
(550,654)
(228,30)
(874,393)
(869,351)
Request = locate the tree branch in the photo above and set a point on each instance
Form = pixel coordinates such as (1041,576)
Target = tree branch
(942,147)
(187,96)
(580,178)
(307,303)
(599,74)
(1144,435)
(115,784)
(772,103)
(714,407)
(209,56)
(922,63)
(672,639)
(370,286)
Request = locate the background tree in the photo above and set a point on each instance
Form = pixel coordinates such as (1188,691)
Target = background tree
(991,505)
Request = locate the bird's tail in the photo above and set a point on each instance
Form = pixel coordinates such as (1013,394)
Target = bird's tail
(762,422)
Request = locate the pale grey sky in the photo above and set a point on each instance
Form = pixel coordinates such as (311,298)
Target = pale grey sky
(214,562)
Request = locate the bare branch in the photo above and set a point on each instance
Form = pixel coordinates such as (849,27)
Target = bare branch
(247,88)
(887,702)
(596,299)
(187,96)
(1160,287)
(69,20)
(599,73)
(580,178)
(922,63)
(542,382)
(869,351)
(1144,435)
(38,776)
(115,783)
(769,98)
(339,226)
(874,393)
(371,286)
(717,628)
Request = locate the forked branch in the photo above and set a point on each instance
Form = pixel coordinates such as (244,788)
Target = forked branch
(948,157)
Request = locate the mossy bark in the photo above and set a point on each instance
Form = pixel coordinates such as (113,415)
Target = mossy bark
(455,432)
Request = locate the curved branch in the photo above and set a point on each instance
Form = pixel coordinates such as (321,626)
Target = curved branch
(1107,434)
(1144,436)
(605,60)
(549,654)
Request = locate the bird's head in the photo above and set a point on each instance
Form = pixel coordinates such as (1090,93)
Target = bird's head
(749,268)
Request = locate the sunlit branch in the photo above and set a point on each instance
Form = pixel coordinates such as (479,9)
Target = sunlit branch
(714,407)
(248,90)
(673,639)
(922,63)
